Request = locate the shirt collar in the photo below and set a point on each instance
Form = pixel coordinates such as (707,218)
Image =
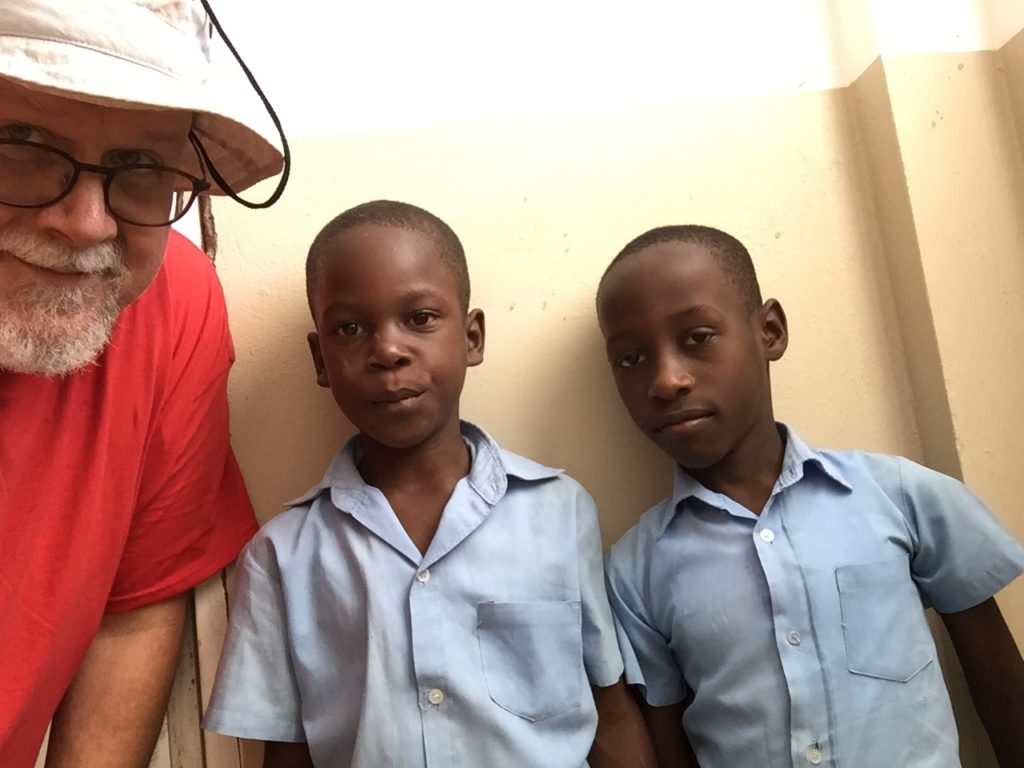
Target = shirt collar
(488,473)
(797,457)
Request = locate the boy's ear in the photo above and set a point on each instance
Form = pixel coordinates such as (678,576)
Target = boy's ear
(318,359)
(475,337)
(774,329)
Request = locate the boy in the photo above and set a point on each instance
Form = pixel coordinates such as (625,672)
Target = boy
(435,600)
(773,603)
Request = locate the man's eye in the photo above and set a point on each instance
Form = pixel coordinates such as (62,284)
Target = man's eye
(123,157)
(422,317)
(349,329)
(21,132)
(630,360)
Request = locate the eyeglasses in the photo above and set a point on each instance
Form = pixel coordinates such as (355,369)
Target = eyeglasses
(37,175)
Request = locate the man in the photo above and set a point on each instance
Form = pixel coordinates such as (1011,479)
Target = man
(118,488)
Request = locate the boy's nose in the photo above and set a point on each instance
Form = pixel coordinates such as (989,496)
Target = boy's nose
(388,350)
(672,378)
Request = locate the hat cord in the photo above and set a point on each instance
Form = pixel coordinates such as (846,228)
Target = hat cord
(287,164)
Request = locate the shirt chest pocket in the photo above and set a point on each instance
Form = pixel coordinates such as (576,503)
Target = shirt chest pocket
(532,655)
(884,626)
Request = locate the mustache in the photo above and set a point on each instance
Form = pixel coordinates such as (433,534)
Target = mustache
(106,258)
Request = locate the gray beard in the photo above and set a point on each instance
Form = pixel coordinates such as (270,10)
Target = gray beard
(53,331)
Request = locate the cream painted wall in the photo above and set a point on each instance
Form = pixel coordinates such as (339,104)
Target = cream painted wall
(957,126)
(550,137)
(541,207)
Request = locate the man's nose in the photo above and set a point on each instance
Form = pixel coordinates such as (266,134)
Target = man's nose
(81,216)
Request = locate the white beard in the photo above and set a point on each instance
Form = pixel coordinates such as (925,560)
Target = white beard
(52,330)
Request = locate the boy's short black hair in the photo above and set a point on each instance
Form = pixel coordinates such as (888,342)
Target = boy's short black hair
(390,213)
(729,251)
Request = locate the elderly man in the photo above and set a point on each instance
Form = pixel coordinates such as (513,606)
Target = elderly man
(118,488)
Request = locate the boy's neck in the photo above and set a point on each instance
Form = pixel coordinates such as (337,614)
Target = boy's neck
(748,474)
(417,482)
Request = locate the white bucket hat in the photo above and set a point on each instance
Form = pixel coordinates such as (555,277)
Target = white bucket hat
(146,54)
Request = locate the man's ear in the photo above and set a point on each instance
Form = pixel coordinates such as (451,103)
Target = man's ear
(774,329)
(475,337)
(318,359)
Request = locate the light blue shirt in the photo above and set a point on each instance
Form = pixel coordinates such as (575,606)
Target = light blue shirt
(800,633)
(480,652)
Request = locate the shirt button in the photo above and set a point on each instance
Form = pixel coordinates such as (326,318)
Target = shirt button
(793,637)
(814,755)
(436,696)
(423,576)
(767,535)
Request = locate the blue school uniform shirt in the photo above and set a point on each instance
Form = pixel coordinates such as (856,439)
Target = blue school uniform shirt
(479,652)
(800,633)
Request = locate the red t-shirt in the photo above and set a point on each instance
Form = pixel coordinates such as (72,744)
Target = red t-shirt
(118,488)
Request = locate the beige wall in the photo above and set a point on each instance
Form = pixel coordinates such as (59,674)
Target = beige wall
(884,215)
(853,204)
(541,208)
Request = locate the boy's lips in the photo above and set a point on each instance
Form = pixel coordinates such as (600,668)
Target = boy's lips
(393,397)
(682,421)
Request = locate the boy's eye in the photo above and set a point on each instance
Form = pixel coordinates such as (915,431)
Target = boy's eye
(699,338)
(629,360)
(349,329)
(422,318)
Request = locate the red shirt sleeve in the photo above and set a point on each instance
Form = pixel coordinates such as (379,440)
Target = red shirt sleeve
(193,513)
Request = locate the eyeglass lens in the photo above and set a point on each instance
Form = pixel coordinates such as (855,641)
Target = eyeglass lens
(35,176)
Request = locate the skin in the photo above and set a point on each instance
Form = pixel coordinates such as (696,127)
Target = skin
(111,713)
(277,754)
(995,675)
(92,134)
(690,361)
(664,724)
(393,345)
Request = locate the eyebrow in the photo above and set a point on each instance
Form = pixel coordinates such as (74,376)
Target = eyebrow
(41,112)
(415,294)
(612,338)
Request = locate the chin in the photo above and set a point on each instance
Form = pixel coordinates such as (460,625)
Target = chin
(54,333)
(693,459)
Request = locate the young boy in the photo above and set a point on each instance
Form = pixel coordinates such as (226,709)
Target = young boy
(773,602)
(435,600)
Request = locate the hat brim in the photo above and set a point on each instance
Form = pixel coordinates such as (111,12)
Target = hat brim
(222,119)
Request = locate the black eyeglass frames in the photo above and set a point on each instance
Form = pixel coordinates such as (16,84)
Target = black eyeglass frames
(36,175)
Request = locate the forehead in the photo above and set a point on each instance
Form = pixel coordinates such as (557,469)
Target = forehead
(72,122)
(664,280)
(373,259)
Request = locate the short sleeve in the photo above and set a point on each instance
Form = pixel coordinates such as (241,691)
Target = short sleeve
(255,694)
(962,554)
(192,514)
(601,655)
(649,660)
